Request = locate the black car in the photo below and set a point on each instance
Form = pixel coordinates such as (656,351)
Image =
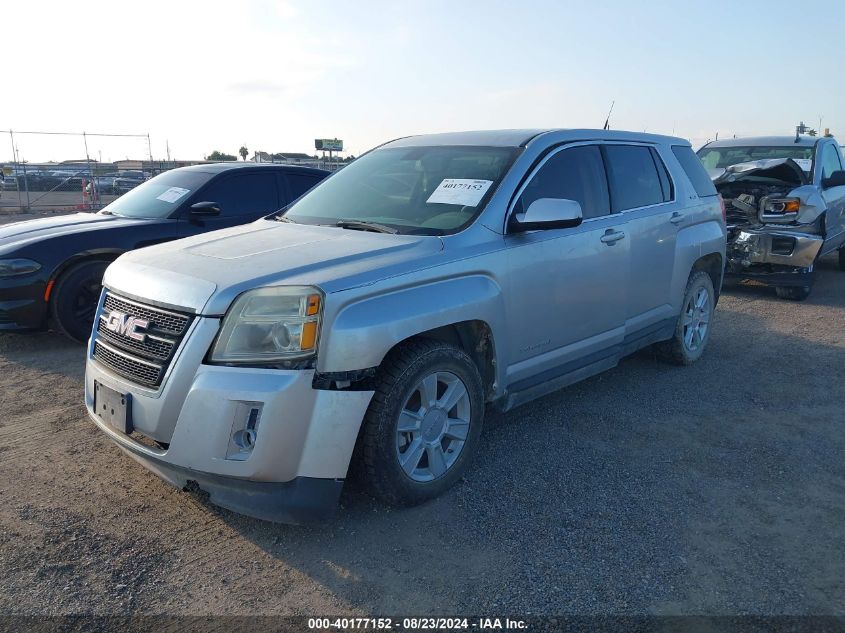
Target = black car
(51,268)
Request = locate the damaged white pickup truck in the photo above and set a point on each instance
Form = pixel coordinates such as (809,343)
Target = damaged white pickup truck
(785,200)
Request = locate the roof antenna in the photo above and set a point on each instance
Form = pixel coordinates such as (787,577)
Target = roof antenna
(607,120)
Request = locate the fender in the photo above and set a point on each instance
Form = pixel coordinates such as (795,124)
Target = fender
(358,335)
(692,243)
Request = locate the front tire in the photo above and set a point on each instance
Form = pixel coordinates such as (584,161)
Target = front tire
(74,299)
(692,331)
(793,293)
(423,424)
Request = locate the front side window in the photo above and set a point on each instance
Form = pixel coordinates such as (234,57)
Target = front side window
(575,173)
(633,177)
(243,194)
(830,161)
(420,190)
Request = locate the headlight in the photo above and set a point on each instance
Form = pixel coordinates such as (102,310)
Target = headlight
(269,325)
(779,209)
(14,267)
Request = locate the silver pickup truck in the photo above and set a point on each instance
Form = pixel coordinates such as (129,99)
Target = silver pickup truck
(377,316)
(785,200)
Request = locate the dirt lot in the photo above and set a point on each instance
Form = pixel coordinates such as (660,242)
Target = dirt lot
(718,488)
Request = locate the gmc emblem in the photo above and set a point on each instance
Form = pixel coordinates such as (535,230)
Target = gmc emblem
(122,323)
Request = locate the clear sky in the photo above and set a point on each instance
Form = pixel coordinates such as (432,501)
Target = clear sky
(274,75)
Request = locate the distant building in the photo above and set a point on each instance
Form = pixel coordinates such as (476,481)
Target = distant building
(282,157)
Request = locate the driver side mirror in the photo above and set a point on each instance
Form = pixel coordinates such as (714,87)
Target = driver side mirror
(837,179)
(205,208)
(547,213)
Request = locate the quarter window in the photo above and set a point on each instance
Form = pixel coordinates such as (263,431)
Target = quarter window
(576,173)
(830,160)
(243,194)
(634,180)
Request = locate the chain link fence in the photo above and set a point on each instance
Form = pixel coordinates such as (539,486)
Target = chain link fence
(90,170)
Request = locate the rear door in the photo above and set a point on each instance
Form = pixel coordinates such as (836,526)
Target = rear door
(642,192)
(241,197)
(830,161)
(566,288)
(300,182)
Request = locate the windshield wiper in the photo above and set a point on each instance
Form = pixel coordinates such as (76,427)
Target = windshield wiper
(282,218)
(362,225)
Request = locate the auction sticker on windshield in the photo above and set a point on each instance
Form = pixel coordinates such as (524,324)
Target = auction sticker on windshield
(463,191)
(173,194)
(804,163)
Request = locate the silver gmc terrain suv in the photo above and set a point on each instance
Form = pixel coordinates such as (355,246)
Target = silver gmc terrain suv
(374,319)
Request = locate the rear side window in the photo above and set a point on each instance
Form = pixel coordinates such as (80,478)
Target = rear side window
(576,174)
(300,183)
(694,170)
(634,179)
(243,194)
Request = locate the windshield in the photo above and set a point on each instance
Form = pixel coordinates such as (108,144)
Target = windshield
(422,190)
(716,157)
(158,197)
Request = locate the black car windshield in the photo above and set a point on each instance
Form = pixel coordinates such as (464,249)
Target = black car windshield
(158,197)
(722,157)
(420,190)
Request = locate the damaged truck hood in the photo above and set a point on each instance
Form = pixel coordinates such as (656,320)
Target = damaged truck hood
(776,177)
(783,170)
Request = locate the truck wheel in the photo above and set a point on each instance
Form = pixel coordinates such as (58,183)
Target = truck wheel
(692,332)
(423,424)
(74,299)
(793,293)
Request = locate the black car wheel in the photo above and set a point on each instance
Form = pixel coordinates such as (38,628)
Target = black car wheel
(74,299)
(793,293)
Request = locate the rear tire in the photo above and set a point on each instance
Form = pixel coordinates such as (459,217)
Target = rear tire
(794,293)
(434,391)
(692,331)
(75,297)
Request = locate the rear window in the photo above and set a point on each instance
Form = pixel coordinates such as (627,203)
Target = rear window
(695,170)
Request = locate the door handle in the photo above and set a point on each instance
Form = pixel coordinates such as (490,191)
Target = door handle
(676,218)
(611,237)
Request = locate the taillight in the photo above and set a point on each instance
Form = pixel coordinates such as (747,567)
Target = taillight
(724,209)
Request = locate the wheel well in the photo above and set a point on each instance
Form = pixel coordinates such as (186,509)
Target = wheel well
(476,339)
(713,266)
(75,261)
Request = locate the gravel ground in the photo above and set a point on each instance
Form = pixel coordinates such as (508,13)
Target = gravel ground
(713,489)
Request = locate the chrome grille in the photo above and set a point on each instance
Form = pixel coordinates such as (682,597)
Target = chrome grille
(160,320)
(136,370)
(146,361)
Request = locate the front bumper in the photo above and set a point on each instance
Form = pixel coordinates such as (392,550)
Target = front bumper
(773,246)
(22,304)
(304,441)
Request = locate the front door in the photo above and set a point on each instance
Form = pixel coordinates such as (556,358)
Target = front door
(241,198)
(834,198)
(566,293)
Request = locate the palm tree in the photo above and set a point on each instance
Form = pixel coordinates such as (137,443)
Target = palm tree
(243,151)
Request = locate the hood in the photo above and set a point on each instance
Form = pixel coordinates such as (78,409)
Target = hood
(783,170)
(17,234)
(205,273)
